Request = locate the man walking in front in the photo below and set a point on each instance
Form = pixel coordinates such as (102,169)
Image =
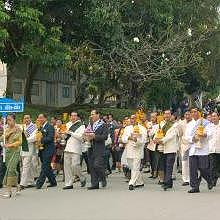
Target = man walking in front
(46,152)
(134,138)
(96,152)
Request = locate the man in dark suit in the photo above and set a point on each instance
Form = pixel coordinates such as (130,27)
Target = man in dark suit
(97,151)
(46,153)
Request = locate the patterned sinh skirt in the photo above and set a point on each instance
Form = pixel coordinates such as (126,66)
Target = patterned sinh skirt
(12,157)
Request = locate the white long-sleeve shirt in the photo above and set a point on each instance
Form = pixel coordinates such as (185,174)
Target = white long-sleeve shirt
(189,136)
(74,143)
(134,149)
(214,143)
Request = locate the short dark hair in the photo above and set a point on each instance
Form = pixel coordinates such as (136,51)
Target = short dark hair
(74,113)
(12,115)
(44,115)
(26,114)
(96,111)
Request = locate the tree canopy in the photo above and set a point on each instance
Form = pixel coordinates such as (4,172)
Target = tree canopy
(134,51)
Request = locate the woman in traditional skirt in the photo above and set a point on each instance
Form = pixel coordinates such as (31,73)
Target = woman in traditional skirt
(13,142)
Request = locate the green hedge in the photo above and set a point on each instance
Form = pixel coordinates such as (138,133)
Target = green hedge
(84,112)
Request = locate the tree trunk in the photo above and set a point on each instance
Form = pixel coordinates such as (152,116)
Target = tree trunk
(101,98)
(9,89)
(78,89)
(134,95)
(31,72)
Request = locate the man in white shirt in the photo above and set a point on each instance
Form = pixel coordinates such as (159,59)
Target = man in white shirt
(73,152)
(184,148)
(151,145)
(170,144)
(199,150)
(214,148)
(29,132)
(135,142)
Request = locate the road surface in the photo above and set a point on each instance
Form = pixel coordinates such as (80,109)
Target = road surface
(113,203)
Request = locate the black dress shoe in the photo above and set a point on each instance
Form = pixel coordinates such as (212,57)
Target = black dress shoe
(151,177)
(210,186)
(131,187)
(185,184)
(22,187)
(38,187)
(67,187)
(83,183)
(93,187)
(160,183)
(52,185)
(104,183)
(30,186)
(166,187)
(214,182)
(194,191)
(139,186)
(1,186)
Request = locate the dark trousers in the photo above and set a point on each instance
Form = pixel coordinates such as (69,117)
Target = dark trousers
(159,161)
(85,157)
(107,158)
(146,159)
(199,163)
(169,162)
(113,158)
(46,171)
(153,164)
(97,169)
(215,167)
(2,170)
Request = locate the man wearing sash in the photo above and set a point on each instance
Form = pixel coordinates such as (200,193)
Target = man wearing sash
(73,152)
(97,138)
(134,138)
(170,144)
(197,135)
(27,152)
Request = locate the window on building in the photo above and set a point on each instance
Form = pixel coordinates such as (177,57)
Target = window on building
(17,87)
(66,92)
(35,89)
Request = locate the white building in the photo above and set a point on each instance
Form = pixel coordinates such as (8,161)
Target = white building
(3,79)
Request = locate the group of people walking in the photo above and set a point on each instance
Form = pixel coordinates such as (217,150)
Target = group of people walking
(158,143)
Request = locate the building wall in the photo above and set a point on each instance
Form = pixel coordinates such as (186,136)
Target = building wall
(46,93)
(65,98)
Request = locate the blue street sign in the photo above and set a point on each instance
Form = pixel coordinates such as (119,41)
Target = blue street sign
(10,105)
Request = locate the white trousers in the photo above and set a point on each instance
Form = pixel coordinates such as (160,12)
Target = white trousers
(185,166)
(27,177)
(136,175)
(72,168)
(35,166)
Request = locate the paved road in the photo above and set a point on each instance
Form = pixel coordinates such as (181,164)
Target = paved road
(113,203)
